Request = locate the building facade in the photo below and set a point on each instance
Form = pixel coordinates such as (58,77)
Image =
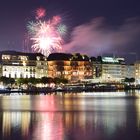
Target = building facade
(72,67)
(137,72)
(22,65)
(108,69)
(130,71)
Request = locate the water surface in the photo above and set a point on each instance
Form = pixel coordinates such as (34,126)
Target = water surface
(73,116)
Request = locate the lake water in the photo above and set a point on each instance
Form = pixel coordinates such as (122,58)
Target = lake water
(71,116)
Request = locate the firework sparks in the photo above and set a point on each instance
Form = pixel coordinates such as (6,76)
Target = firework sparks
(32,27)
(62,29)
(40,12)
(56,20)
(45,36)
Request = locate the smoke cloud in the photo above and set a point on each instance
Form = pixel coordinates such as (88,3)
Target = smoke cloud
(97,37)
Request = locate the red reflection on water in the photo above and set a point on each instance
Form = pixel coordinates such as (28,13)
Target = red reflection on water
(44,103)
(49,127)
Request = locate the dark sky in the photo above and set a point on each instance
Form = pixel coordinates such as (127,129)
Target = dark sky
(95,26)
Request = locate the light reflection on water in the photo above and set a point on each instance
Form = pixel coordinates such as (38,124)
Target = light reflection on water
(76,116)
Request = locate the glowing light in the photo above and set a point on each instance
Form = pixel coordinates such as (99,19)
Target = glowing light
(32,27)
(40,12)
(62,29)
(45,36)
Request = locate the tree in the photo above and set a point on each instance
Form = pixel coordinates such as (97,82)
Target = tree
(33,80)
(11,81)
(4,79)
(126,80)
(64,81)
(132,80)
(57,80)
(7,80)
(129,80)
(21,81)
(46,80)
(60,80)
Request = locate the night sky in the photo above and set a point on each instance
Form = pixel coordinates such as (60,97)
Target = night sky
(95,27)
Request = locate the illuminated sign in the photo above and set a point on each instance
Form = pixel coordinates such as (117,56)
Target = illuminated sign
(110,60)
(15,63)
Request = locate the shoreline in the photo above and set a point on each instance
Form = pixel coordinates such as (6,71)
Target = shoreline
(67,90)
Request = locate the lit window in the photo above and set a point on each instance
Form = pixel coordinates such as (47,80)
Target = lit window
(38,58)
(6,57)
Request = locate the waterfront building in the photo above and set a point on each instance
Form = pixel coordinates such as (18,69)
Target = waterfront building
(59,65)
(130,71)
(113,69)
(22,65)
(0,70)
(72,67)
(96,67)
(108,69)
(137,72)
(41,66)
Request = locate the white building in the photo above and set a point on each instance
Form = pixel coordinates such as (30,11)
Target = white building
(22,65)
(137,72)
(130,71)
(109,69)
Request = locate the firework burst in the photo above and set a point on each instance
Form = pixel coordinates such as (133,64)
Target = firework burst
(40,12)
(45,35)
(46,39)
(62,29)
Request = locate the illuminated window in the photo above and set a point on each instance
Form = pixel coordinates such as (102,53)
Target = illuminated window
(23,58)
(38,58)
(24,63)
(6,57)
